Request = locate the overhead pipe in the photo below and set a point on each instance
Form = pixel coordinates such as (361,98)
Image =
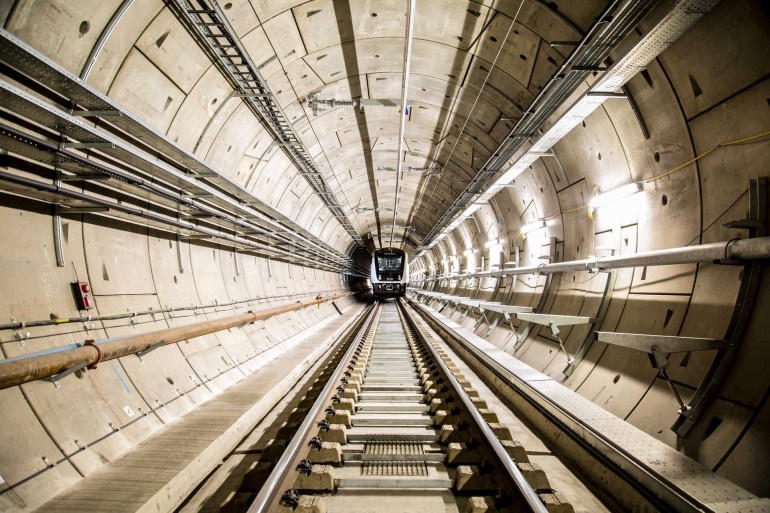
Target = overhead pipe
(30,368)
(404,92)
(736,249)
(20,325)
(159,218)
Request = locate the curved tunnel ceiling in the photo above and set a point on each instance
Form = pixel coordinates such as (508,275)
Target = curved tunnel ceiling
(474,70)
(480,161)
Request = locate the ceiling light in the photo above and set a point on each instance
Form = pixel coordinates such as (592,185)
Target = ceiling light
(531,227)
(615,194)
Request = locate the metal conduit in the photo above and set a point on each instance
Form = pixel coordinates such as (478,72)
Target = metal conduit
(40,366)
(615,21)
(735,249)
(410,15)
(159,218)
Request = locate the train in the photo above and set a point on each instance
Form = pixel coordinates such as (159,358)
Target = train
(389,273)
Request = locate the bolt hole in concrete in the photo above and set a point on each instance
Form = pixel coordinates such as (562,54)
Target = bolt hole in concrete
(175,279)
(664,200)
(656,156)
(493,39)
(374,15)
(616,378)
(522,57)
(598,155)
(228,5)
(85,26)
(170,381)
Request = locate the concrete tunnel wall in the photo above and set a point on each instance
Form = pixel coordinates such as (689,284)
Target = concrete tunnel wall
(709,87)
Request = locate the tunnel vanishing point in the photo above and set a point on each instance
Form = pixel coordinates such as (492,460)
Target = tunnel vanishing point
(190,192)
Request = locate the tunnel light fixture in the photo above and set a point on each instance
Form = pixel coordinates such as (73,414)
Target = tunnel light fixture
(615,194)
(494,242)
(531,227)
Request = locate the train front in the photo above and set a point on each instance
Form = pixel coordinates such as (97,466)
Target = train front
(388,273)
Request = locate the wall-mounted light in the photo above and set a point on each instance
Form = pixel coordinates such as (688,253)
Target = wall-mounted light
(494,242)
(531,227)
(614,194)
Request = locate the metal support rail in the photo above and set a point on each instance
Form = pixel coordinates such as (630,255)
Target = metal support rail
(209,27)
(271,491)
(512,471)
(19,325)
(49,192)
(732,250)
(174,165)
(30,368)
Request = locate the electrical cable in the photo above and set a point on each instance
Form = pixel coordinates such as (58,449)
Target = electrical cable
(697,158)
(462,130)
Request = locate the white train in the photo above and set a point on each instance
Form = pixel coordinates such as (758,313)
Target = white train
(389,273)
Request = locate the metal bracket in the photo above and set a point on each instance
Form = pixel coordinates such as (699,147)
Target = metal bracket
(659,360)
(150,349)
(482,317)
(56,378)
(96,113)
(87,145)
(521,337)
(757,227)
(496,322)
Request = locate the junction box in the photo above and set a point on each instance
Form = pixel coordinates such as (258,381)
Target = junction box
(83,297)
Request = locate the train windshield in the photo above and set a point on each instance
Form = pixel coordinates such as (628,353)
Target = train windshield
(389,262)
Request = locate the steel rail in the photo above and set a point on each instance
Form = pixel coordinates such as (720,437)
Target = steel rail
(736,249)
(270,493)
(512,471)
(30,368)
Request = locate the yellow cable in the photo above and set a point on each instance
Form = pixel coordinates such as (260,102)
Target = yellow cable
(581,207)
(729,143)
(720,145)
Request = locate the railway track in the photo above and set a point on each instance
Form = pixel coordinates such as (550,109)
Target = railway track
(397,428)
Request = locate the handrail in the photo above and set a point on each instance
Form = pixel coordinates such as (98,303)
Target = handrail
(34,367)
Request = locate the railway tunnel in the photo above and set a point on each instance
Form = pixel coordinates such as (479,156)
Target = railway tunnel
(190,192)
